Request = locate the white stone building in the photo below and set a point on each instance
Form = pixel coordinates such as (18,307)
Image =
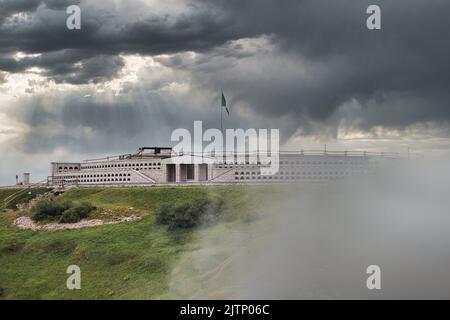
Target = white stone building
(155,166)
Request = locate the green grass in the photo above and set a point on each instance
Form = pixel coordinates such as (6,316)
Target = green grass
(4,193)
(26,197)
(23,196)
(130,260)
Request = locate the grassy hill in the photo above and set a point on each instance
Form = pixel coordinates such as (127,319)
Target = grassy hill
(4,193)
(19,196)
(131,260)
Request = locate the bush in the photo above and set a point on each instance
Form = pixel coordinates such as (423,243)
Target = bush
(49,209)
(70,216)
(213,210)
(163,215)
(65,212)
(190,213)
(75,214)
(84,209)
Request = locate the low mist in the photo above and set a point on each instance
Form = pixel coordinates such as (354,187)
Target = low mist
(317,240)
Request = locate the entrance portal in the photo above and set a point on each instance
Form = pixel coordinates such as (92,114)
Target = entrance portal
(186,172)
(203,172)
(171,173)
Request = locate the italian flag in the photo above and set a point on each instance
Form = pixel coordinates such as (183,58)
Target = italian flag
(224,104)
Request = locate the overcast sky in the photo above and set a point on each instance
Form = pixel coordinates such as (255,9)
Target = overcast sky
(138,69)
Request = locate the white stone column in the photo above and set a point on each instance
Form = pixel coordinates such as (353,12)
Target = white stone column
(196,172)
(210,171)
(177,173)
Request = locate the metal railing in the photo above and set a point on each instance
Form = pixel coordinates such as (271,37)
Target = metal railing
(305,153)
(302,152)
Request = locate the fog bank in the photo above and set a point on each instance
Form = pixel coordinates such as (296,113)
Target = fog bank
(317,241)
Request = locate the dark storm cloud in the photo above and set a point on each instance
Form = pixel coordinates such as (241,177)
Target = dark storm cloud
(70,66)
(322,56)
(103,33)
(95,69)
(60,4)
(399,75)
(8,7)
(11,7)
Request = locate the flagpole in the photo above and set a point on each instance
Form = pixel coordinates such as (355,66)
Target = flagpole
(221,125)
(221,111)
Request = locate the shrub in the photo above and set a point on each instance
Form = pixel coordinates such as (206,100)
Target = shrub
(75,214)
(213,210)
(49,209)
(65,212)
(186,215)
(70,216)
(190,213)
(84,209)
(163,215)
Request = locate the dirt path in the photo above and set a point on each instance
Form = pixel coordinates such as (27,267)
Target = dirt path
(25,222)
